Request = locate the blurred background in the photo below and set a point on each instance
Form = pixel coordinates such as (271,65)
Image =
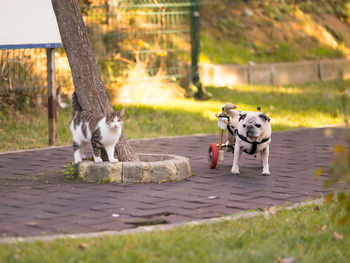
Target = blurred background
(288,56)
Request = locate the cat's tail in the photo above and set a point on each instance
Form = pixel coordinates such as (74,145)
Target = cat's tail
(75,103)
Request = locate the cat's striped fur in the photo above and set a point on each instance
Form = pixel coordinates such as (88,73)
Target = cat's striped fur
(99,130)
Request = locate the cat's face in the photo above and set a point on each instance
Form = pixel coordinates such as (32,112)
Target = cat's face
(115,119)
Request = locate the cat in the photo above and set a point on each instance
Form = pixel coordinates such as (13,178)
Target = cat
(99,130)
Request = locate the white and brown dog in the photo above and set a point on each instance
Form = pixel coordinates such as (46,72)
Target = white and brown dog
(249,132)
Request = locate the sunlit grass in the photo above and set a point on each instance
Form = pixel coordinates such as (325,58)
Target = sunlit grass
(289,107)
(283,32)
(241,53)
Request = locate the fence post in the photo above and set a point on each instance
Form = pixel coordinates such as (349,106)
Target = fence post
(319,72)
(52,103)
(201,93)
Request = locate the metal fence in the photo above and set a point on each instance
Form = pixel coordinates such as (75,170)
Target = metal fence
(152,36)
(21,69)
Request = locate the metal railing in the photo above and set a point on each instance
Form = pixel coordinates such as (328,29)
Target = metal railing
(154,36)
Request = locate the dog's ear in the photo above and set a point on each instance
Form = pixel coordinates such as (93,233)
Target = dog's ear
(229,106)
(242,116)
(264,117)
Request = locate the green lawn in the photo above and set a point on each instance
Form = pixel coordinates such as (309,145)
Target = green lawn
(289,107)
(231,52)
(305,234)
(238,32)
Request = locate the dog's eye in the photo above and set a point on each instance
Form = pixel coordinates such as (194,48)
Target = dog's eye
(257,125)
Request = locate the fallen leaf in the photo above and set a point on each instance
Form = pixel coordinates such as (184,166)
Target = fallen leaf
(285,260)
(272,210)
(337,236)
(83,246)
(343,220)
(338,149)
(329,199)
(328,132)
(318,172)
(324,228)
(266,214)
(288,260)
(253,252)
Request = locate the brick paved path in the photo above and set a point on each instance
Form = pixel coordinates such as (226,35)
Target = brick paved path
(36,199)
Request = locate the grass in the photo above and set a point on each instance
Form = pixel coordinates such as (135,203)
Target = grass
(28,128)
(228,53)
(243,52)
(289,107)
(237,32)
(306,234)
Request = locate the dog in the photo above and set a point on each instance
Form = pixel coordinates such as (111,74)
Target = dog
(249,132)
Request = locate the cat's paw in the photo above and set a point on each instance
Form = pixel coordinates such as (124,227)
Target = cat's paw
(97,159)
(114,160)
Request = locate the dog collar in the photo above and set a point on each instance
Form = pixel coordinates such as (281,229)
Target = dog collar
(254,144)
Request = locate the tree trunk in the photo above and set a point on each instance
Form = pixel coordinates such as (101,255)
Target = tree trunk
(87,81)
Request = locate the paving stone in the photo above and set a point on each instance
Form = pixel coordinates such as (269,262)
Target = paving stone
(31,206)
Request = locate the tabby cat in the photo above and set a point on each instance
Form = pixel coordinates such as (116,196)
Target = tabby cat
(98,129)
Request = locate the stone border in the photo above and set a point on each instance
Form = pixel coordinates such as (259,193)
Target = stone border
(153,168)
(145,229)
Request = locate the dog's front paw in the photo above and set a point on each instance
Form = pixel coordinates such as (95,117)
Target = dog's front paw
(266,171)
(235,171)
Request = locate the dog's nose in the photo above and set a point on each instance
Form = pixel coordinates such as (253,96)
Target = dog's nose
(250,130)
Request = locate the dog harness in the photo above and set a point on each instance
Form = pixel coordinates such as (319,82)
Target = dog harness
(254,144)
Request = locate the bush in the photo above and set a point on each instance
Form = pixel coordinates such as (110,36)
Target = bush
(339,168)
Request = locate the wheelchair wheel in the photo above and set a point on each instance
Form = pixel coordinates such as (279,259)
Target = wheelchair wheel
(213,155)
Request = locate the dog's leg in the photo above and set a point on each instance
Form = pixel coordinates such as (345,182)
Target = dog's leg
(230,143)
(265,161)
(236,157)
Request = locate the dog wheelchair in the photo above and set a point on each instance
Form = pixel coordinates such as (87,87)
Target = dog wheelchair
(216,151)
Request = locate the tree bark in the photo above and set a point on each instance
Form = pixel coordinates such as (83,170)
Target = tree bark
(87,81)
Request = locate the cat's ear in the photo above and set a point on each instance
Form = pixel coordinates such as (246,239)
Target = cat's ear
(121,113)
